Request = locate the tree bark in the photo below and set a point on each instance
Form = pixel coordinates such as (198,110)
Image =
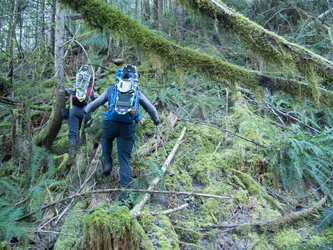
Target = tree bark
(180,22)
(155,13)
(177,57)
(146,13)
(51,37)
(42,23)
(160,14)
(21,137)
(11,39)
(49,133)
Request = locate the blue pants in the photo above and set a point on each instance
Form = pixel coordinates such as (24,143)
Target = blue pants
(74,125)
(125,134)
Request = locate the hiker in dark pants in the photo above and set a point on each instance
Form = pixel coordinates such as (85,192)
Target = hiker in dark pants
(80,95)
(74,125)
(123,131)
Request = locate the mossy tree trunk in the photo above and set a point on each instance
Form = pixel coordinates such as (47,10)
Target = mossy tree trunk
(270,46)
(12,39)
(176,57)
(21,137)
(48,134)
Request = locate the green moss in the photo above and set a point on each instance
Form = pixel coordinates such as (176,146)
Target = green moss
(185,231)
(329,235)
(244,229)
(259,241)
(159,228)
(113,226)
(72,226)
(261,210)
(167,236)
(287,238)
(210,209)
(254,189)
(186,181)
(275,50)
(62,162)
(4,246)
(240,196)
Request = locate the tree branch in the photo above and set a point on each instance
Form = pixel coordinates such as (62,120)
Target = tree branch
(255,37)
(175,56)
(274,222)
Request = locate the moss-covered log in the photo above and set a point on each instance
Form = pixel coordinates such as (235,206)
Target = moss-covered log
(113,228)
(267,44)
(169,54)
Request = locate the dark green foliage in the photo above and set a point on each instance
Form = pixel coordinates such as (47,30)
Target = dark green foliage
(298,158)
(42,170)
(326,219)
(191,96)
(9,213)
(37,160)
(9,227)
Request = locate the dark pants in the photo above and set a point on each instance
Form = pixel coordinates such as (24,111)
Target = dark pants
(74,125)
(125,134)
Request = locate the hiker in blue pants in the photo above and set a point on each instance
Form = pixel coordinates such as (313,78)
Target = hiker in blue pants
(120,120)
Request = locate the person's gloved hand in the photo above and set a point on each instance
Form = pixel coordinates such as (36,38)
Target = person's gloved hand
(84,110)
(157,121)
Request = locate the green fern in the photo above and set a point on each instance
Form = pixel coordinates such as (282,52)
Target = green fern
(37,160)
(298,156)
(9,227)
(7,188)
(326,219)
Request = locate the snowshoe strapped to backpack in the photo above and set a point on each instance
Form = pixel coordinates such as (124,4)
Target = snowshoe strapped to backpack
(82,87)
(123,97)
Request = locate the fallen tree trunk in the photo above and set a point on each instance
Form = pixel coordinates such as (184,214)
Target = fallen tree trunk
(267,44)
(181,58)
(138,207)
(277,222)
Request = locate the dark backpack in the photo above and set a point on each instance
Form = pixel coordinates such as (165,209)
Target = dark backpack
(123,97)
(82,87)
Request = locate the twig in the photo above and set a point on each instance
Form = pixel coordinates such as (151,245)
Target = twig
(84,50)
(156,191)
(169,211)
(226,115)
(122,190)
(272,109)
(72,40)
(98,150)
(63,212)
(138,207)
(274,222)
(51,232)
(51,198)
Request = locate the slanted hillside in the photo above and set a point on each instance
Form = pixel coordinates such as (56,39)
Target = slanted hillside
(237,166)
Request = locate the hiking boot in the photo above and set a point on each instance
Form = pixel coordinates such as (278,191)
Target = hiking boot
(107,169)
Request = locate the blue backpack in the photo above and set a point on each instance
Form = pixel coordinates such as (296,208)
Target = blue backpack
(123,97)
